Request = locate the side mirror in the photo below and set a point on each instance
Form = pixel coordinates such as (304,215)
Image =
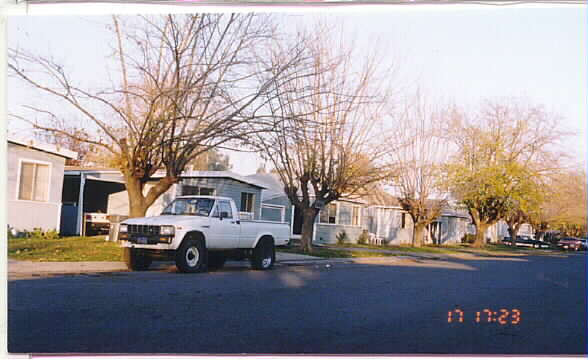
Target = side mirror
(224,214)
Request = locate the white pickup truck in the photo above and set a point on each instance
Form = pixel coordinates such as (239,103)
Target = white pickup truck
(201,232)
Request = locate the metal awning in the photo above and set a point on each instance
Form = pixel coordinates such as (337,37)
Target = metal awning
(106,179)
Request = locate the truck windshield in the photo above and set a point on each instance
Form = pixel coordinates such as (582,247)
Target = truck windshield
(189,206)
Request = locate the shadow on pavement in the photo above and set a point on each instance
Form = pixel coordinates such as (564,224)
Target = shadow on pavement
(399,307)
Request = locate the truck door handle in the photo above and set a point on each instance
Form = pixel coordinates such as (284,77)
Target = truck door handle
(206,226)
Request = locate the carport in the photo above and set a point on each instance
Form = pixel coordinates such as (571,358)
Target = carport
(86,191)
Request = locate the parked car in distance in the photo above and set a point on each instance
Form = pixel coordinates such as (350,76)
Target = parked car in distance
(201,232)
(525,241)
(572,243)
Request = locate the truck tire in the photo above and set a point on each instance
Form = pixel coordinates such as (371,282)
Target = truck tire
(135,259)
(216,260)
(264,254)
(191,256)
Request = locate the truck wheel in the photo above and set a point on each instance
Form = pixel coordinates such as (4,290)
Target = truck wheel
(216,260)
(135,259)
(191,256)
(264,254)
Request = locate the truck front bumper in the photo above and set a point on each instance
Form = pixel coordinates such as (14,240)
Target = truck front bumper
(159,246)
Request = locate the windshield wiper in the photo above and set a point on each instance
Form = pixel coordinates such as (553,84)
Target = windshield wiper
(167,213)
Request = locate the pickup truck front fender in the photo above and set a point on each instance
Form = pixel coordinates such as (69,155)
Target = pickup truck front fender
(196,235)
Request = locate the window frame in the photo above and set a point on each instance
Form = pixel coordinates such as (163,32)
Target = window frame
(19,175)
(353,209)
(282,209)
(336,205)
(215,212)
(199,190)
(213,192)
(241,210)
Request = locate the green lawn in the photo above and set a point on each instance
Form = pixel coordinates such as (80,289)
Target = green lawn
(96,249)
(498,248)
(73,248)
(444,249)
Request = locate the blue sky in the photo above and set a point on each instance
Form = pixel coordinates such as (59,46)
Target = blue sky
(456,54)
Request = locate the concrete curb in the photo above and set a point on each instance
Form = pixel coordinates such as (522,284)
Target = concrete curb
(16,267)
(30,268)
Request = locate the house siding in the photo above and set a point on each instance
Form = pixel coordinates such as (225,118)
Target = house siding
(281,201)
(118,202)
(451,232)
(327,233)
(227,188)
(271,214)
(25,214)
(502,230)
(386,224)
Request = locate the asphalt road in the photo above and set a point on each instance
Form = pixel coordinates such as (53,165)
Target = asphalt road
(396,308)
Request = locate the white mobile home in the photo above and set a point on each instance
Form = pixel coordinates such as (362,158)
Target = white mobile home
(34,185)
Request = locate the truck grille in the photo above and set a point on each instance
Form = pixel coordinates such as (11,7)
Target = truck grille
(143,229)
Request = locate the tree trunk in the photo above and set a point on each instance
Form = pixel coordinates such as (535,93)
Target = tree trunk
(481,228)
(417,235)
(140,202)
(308,216)
(137,207)
(513,230)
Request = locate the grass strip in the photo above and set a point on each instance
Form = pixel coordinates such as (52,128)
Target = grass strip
(74,248)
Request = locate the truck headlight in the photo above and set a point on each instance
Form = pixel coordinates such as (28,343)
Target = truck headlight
(167,230)
(122,232)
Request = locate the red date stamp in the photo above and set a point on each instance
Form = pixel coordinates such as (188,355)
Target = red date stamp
(486,316)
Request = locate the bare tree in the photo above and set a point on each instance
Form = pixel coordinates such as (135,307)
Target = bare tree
(417,160)
(212,160)
(566,208)
(418,163)
(188,84)
(515,218)
(326,145)
(502,154)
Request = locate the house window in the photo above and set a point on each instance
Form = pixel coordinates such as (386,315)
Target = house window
(206,191)
(345,214)
(328,215)
(196,190)
(247,201)
(355,218)
(34,182)
(273,212)
(403,221)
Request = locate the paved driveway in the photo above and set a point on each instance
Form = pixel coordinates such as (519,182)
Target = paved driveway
(389,306)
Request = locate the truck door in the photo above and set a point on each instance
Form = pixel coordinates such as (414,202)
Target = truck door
(224,232)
